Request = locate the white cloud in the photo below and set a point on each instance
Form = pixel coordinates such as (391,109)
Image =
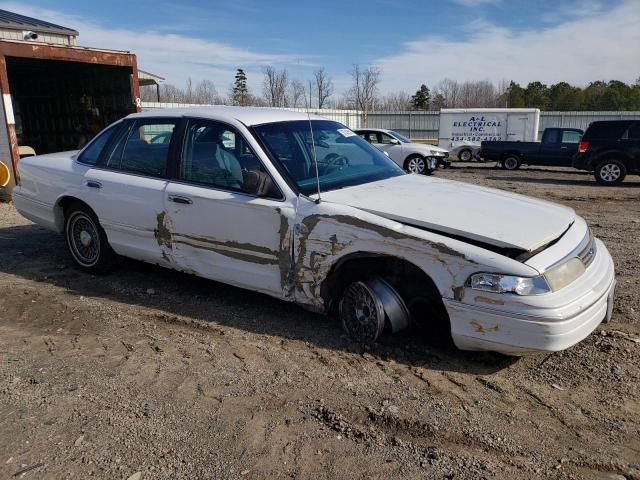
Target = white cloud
(600,45)
(173,56)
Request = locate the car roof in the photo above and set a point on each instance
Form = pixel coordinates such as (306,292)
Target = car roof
(247,115)
(614,122)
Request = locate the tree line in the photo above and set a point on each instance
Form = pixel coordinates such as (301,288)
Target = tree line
(280,89)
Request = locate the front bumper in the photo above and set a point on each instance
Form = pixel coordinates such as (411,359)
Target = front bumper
(513,325)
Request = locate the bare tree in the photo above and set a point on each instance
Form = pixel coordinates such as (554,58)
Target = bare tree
(297,93)
(274,87)
(395,102)
(188,91)
(206,93)
(323,86)
(365,87)
(450,91)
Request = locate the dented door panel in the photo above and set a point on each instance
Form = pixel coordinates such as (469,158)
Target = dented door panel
(227,236)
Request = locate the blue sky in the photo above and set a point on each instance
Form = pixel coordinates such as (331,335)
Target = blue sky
(412,42)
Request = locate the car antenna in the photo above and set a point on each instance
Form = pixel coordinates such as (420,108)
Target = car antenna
(313,145)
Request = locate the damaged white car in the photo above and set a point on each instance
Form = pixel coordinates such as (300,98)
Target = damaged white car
(302,209)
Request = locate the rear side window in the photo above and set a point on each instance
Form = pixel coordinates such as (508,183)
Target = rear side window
(91,154)
(143,148)
(634,132)
(571,137)
(606,130)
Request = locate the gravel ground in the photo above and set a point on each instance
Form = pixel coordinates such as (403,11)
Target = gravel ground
(147,373)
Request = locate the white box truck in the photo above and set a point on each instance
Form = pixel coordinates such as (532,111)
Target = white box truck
(463,129)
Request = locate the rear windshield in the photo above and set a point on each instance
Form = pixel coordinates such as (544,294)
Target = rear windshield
(606,130)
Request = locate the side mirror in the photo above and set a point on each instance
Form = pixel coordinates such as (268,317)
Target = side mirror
(258,183)
(395,141)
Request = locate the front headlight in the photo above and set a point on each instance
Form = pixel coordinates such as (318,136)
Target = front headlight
(436,153)
(496,283)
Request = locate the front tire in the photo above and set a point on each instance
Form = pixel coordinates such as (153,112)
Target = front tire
(415,164)
(610,172)
(465,155)
(361,313)
(86,240)
(512,162)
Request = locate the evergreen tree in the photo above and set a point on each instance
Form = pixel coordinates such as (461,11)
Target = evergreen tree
(422,98)
(537,95)
(515,94)
(240,92)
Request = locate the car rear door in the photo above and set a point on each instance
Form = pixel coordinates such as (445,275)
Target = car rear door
(212,226)
(631,143)
(126,187)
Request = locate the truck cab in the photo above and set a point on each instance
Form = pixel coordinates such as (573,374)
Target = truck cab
(557,149)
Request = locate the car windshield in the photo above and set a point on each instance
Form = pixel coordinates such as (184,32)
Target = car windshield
(343,158)
(402,138)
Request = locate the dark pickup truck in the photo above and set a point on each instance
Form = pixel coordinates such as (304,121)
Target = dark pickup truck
(557,148)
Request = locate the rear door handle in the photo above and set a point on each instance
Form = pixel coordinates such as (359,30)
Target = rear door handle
(179,199)
(94,184)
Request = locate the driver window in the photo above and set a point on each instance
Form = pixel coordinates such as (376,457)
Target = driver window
(386,139)
(216,155)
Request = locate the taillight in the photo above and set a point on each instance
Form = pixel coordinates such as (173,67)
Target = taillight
(583,146)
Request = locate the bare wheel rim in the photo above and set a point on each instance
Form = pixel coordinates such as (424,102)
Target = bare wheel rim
(83,239)
(610,172)
(510,163)
(465,155)
(416,165)
(362,313)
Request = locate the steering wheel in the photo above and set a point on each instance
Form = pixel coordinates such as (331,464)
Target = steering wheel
(335,161)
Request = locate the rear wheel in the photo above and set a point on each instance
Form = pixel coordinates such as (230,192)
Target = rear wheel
(610,172)
(465,155)
(512,162)
(86,240)
(415,164)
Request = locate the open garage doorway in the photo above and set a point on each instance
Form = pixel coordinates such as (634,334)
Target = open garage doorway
(60,105)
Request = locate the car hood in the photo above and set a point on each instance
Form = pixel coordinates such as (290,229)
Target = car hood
(479,214)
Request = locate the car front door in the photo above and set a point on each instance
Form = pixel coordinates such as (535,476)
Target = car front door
(559,148)
(212,226)
(391,145)
(126,186)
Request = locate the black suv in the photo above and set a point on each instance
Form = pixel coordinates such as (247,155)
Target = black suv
(611,150)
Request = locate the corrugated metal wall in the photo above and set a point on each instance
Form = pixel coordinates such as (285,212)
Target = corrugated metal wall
(425,125)
(581,119)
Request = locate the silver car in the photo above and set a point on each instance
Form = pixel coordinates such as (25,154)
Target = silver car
(411,156)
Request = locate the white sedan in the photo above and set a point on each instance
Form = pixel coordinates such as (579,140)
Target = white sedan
(411,156)
(305,210)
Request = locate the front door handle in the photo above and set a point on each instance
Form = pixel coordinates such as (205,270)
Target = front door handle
(94,184)
(179,199)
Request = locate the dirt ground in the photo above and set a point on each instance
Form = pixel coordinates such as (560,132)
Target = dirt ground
(147,370)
